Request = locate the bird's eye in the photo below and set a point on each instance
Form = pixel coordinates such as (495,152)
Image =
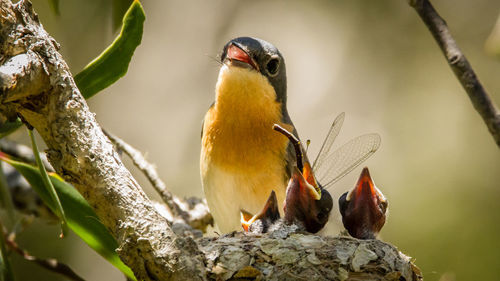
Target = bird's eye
(320,216)
(272,66)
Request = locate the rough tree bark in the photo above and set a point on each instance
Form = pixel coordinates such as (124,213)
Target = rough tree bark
(36,84)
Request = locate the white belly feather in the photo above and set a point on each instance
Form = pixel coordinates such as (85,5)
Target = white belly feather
(228,193)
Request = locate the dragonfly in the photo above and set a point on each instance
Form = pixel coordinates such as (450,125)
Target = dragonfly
(331,166)
(307,202)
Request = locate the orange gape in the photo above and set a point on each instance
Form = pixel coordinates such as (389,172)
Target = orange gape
(308,175)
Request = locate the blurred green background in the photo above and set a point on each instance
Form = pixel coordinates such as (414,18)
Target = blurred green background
(437,165)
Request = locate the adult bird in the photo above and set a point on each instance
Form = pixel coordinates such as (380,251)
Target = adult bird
(242,159)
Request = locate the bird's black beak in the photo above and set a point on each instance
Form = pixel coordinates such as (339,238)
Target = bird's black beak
(363,208)
(269,214)
(237,56)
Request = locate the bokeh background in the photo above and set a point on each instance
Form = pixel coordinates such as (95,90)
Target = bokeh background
(437,165)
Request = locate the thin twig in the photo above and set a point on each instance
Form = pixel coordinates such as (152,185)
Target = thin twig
(460,65)
(6,200)
(192,211)
(49,264)
(296,145)
(6,268)
(26,201)
(23,153)
(150,172)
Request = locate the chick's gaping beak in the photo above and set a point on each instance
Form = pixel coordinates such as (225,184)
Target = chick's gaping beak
(261,221)
(309,176)
(246,219)
(239,57)
(363,208)
(365,192)
(304,205)
(300,189)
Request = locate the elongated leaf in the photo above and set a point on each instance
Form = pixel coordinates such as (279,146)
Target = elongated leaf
(113,63)
(5,268)
(49,187)
(80,216)
(8,127)
(118,10)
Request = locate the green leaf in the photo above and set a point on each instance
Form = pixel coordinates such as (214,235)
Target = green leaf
(6,273)
(9,127)
(54,5)
(49,187)
(118,9)
(113,63)
(80,216)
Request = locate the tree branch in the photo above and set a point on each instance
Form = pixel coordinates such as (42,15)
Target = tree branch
(49,264)
(80,152)
(23,152)
(193,212)
(24,198)
(460,65)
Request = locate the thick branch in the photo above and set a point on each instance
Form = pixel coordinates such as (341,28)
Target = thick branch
(21,75)
(460,66)
(80,152)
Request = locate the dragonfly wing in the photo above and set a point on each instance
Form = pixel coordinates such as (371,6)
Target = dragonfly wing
(330,138)
(343,160)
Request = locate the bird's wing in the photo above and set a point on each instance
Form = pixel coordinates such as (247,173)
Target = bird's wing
(290,156)
(203,121)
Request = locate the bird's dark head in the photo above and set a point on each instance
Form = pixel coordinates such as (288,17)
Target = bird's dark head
(261,222)
(260,56)
(363,208)
(305,203)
